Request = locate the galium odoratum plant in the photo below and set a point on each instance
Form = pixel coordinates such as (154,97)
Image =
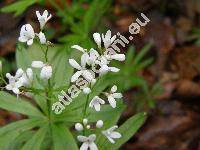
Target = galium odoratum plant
(88,120)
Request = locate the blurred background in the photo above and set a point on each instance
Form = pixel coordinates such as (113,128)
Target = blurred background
(162,74)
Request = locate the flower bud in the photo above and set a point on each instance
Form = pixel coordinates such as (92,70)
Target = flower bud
(78,127)
(99,124)
(85,121)
(88,126)
(86,90)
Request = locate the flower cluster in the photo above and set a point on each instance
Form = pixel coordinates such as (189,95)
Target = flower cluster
(94,64)
(89,141)
(25,78)
(27,33)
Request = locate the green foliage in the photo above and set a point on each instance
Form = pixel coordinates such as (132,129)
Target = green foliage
(18,7)
(56,131)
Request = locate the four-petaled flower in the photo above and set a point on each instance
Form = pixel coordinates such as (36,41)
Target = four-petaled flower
(112,96)
(43,18)
(46,71)
(88,142)
(111,134)
(86,73)
(27,34)
(96,102)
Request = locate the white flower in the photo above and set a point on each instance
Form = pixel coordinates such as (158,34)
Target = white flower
(88,126)
(41,37)
(78,127)
(27,34)
(96,102)
(86,90)
(87,74)
(93,56)
(99,124)
(107,39)
(112,96)
(27,77)
(14,82)
(88,142)
(46,71)
(43,18)
(111,134)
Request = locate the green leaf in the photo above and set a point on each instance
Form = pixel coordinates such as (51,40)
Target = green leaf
(141,54)
(19,140)
(18,7)
(11,103)
(9,132)
(35,142)
(127,130)
(62,138)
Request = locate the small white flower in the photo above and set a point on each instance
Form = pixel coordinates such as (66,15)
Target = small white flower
(111,134)
(85,121)
(87,74)
(42,38)
(78,127)
(86,90)
(99,124)
(14,82)
(43,18)
(112,96)
(88,126)
(96,103)
(27,34)
(27,77)
(46,71)
(97,39)
(108,39)
(88,142)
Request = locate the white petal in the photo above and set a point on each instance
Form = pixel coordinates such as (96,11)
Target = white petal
(22,38)
(97,106)
(16,90)
(93,146)
(87,75)
(42,38)
(112,101)
(119,57)
(29,73)
(37,64)
(30,42)
(79,48)
(114,69)
(92,137)
(114,89)
(99,124)
(113,128)
(9,87)
(115,135)
(104,69)
(81,138)
(84,146)
(46,72)
(76,76)
(19,73)
(117,95)
(78,127)
(84,59)
(74,64)
(111,140)
(38,14)
(86,90)
(97,39)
